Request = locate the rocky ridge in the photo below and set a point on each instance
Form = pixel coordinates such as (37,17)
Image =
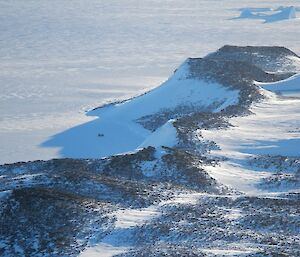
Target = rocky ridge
(60,207)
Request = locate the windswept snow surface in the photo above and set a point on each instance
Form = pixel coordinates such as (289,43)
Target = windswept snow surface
(60,58)
(128,219)
(103,250)
(273,129)
(117,130)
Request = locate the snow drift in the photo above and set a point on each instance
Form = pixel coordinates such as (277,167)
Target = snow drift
(120,127)
(290,84)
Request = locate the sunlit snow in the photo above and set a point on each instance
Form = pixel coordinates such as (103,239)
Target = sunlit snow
(61,58)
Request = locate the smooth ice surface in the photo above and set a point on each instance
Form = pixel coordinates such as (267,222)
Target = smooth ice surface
(59,58)
(268,14)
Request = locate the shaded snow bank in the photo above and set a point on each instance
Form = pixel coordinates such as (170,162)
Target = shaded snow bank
(290,84)
(163,136)
(117,129)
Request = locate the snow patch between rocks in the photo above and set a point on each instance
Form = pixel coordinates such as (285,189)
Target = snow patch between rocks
(126,220)
(163,136)
(103,250)
(290,84)
(273,129)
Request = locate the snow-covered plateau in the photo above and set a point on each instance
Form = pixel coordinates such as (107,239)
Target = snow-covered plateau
(206,164)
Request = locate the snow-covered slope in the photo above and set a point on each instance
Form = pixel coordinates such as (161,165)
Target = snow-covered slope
(122,127)
(214,170)
(290,84)
(272,130)
(209,84)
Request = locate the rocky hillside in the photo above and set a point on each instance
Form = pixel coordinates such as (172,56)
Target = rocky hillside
(171,195)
